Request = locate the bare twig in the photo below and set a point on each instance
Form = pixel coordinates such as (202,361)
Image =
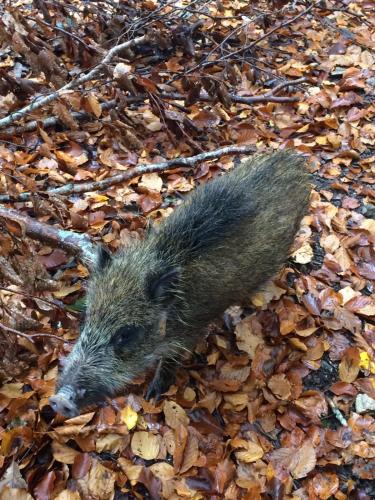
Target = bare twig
(43,100)
(83,116)
(31,336)
(337,413)
(245,47)
(137,171)
(34,297)
(37,20)
(52,121)
(361,18)
(70,241)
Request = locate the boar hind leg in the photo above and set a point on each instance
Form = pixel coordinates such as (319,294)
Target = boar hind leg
(163,378)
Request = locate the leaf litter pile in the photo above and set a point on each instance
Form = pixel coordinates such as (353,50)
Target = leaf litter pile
(279,400)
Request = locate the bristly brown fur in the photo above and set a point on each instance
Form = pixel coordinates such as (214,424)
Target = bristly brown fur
(150,303)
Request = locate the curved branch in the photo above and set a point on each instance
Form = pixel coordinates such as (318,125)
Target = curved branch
(269,96)
(137,171)
(70,241)
(42,100)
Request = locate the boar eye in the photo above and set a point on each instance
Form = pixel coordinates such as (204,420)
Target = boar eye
(126,335)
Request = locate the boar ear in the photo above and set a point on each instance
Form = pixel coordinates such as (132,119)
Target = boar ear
(103,258)
(162,287)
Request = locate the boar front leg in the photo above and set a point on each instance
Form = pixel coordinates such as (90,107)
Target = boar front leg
(163,378)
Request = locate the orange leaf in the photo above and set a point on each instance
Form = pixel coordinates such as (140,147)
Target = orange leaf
(349,365)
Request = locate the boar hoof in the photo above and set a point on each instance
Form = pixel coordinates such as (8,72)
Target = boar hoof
(163,378)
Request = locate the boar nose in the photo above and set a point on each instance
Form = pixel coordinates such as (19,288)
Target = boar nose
(63,404)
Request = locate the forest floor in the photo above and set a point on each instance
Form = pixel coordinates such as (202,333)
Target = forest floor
(278,402)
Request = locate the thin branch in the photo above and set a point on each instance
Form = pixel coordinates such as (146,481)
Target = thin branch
(360,17)
(337,413)
(37,20)
(31,336)
(52,121)
(70,241)
(34,297)
(43,100)
(245,47)
(137,171)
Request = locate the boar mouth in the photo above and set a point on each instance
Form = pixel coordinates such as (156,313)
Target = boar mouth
(69,401)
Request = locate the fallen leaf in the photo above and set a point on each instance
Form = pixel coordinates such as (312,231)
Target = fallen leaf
(145,445)
(63,453)
(325,485)
(304,254)
(175,415)
(280,386)
(251,453)
(349,365)
(129,417)
(304,460)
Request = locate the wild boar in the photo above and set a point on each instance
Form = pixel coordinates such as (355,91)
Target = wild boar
(148,305)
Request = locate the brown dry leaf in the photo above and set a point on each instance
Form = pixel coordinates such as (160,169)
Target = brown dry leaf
(163,471)
(110,442)
(191,453)
(74,158)
(247,338)
(132,471)
(304,254)
(304,460)
(83,419)
(312,404)
(251,453)
(269,292)
(175,415)
(325,485)
(12,479)
(92,105)
(12,390)
(151,181)
(64,291)
(100,482)
(349,365)
(145,445)
(280,386)
(63,453)
(7,493)
(45,487)
(68,495)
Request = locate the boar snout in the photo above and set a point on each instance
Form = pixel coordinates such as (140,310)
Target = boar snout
(63,402)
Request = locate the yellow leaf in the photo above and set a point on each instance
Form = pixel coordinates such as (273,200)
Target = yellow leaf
(252,453)
(109,442)
(93,105)
(365,362)
(67,290)
(162,470)
(145,445)
(175,415)
(98,198)
(304,254)
(369,225)
(129,417)
(63,453)
(321,140)
(151,181)
(13,390)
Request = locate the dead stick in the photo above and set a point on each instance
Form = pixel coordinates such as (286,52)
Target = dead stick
(43,100)
(31,336)
(137,171)
(81,115)
(70,241)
